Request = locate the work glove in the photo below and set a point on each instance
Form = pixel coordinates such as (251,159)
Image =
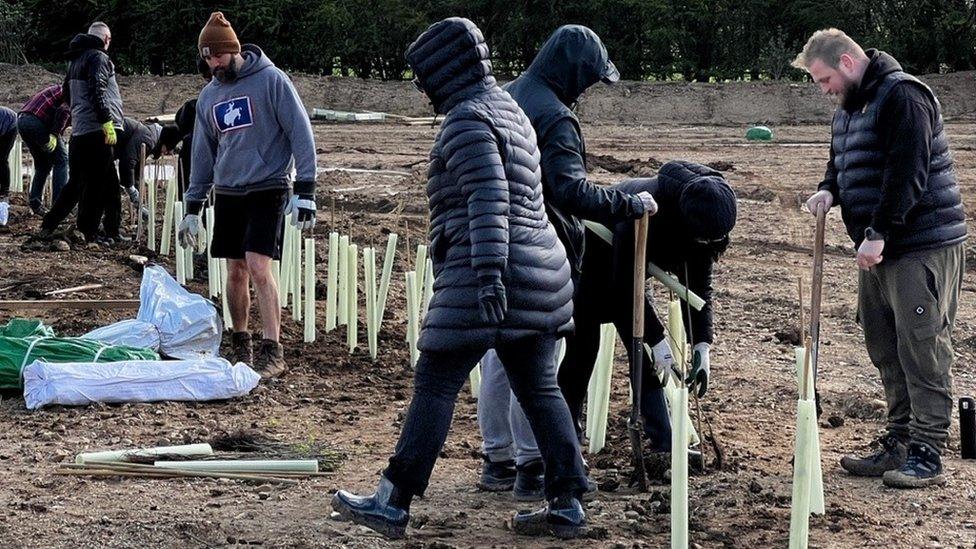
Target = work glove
(698,376)
(133,193)
(303,202)
(491,299)
(51,144)
(869,253)
(662,359)
(650,205)
(188,231)
(820,197)
(108,129)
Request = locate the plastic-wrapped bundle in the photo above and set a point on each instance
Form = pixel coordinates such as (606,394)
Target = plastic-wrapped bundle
(80,383)
(17,352)
(171,320)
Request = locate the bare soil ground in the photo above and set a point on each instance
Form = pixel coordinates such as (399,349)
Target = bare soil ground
(357,405)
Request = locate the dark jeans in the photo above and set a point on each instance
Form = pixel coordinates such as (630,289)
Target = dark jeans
(529,365)
(91,162)
(6,144)
(591,308)
(36,135)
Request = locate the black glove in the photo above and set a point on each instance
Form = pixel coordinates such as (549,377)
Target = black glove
(491,300)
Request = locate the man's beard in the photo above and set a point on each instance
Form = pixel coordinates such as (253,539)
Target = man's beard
(228,73)
(841,98)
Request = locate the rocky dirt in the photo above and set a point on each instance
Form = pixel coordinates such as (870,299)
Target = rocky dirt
(357,405)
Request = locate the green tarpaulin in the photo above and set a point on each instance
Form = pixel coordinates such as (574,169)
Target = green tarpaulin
(24,341)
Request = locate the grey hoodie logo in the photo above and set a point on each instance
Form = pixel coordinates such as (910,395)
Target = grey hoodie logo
(233,114)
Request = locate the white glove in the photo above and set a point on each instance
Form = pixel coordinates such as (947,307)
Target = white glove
(188,231)
(662,359)
(304,210)
(650,205)
(820,197)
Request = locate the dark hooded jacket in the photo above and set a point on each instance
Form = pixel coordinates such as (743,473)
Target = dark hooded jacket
(90,87)
(697,213)
(487,220)
(133,137)
(890,167)
(571,60)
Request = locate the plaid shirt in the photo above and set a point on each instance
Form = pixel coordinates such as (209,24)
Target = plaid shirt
(50,107)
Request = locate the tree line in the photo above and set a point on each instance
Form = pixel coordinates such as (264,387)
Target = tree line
(693,40)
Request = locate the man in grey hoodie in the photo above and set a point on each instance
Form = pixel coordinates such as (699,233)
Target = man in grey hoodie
(251,129)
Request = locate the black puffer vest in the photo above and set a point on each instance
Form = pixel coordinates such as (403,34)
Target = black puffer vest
(487,218)
(938,219)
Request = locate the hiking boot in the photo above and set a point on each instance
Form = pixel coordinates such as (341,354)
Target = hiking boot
(530,481)
(269,361)
(922,468)
(562,517)
(45,234)
(890,456)
(38,209)
(386,511)
(497,476)
(240,348)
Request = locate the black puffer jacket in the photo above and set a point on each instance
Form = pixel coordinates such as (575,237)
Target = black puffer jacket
(90,87)
(878,179)
(486,210)
(572,60)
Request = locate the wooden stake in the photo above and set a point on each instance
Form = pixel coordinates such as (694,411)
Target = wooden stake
(48,304)
(74,289)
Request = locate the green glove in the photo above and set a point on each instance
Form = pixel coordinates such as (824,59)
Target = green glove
(108,129)
(52,143)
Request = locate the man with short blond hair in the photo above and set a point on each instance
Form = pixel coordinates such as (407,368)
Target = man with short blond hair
(891,171)
(827,45)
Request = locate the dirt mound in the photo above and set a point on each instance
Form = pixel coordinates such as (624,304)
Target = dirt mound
(632,168)
(19,82)
(725,104)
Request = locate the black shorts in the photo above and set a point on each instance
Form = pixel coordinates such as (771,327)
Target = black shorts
(251,223)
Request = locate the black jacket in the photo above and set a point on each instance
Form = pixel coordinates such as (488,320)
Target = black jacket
(696,203)
(134,135)
(487,220)
(890,167)
(572,60)
(90,87)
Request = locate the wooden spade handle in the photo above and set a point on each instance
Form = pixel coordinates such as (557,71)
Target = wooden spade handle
(816,287)
(640,262)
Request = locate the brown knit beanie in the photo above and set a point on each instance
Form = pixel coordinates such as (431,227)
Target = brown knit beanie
(218,37)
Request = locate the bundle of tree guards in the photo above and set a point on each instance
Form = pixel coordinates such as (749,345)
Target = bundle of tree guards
(24,341)
(243,456)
